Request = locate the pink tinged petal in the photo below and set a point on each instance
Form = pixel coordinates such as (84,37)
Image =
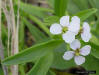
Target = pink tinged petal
(75,25)
(75,44)
(68,55)
(86,27)
(56,29)
(85,50)
(79,60)
(68,37)
(86,36)
(64,21)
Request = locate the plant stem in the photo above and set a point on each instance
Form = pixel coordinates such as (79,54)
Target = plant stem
(1,46)
(14,44)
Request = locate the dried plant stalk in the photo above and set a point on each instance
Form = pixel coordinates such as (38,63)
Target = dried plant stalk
(1,46)
(5,69)
(7,15)
(10,16)
(14,50)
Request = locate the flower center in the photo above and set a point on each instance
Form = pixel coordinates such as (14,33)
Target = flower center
(81,30)
(77,52)
(64,29)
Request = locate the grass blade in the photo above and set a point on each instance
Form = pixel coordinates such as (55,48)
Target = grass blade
(42,66)
(60,7)
(32,53)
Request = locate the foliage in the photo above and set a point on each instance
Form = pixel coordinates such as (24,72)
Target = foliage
(46,51)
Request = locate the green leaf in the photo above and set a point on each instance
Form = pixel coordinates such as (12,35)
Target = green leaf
(42,65)
(1,71)
(4,34)
(51,20)
(50,73)
(82,4)
(21,70)
(92,3)
(95,4)
(40,24)
(86,13)
(32,53)
(34,10)
(94,40)
(60,7)
(36,33)
(97,26)
(91,64)
(21,35)
(94,50)
(59,62)
(72,7)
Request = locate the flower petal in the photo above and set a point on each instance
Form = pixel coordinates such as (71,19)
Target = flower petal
(68,55)
(76,19)
(68,37)
(56,29)
(75,44)
(64,21)
(75,25)
(86,36)
(79,60)
(86,27)
(85,50)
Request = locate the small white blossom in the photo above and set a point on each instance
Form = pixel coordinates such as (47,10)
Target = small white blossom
(66,28)
(77,53)
(85,33)
(56,29)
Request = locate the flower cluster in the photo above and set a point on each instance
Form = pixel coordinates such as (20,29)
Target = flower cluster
(70,29)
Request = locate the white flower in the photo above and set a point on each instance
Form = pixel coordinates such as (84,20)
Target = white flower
(66,28)
(77,53)
(85,33)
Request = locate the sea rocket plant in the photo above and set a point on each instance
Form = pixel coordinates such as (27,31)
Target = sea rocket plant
(69,30)
(77,53)
(66,28)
